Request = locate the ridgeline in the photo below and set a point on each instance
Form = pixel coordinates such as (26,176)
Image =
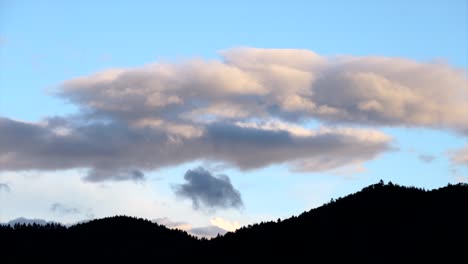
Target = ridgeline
(382,223)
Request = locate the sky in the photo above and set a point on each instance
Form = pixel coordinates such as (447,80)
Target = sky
(207,116)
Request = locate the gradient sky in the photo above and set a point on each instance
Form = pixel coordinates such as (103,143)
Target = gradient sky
(45,44)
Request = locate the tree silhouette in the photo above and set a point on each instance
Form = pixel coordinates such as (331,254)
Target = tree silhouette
(382,223)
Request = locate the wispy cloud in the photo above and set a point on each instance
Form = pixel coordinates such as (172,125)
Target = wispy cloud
(4,187)
(426,158)
(64,209)
(459,156)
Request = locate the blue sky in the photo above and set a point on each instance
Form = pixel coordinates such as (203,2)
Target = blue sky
(43,44)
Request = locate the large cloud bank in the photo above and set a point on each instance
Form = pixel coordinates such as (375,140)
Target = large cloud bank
(248,110)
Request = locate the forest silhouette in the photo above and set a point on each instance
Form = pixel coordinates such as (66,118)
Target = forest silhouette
(382,223)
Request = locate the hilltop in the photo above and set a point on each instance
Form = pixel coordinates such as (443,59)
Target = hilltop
(380,223)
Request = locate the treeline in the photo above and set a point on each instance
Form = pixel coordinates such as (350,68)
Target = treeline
(383,223)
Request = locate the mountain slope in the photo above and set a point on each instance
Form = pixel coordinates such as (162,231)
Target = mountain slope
(118,238)
(381,223)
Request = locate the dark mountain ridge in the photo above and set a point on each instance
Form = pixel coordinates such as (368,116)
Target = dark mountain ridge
(383,223)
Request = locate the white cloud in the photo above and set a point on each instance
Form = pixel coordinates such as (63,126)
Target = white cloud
(290,84)
(225,224)
(165,221)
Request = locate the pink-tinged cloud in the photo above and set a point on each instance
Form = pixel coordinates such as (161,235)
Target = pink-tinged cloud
(247,110)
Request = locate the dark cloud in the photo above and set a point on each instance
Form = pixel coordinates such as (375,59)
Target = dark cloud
(112,151)
(207,190)
(426,158)
(250,146)
(4,187)
(99,174)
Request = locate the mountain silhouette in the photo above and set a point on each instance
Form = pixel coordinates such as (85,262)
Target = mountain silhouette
(382,223)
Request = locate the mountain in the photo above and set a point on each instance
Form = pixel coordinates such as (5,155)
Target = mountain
(119,238)
(383,223)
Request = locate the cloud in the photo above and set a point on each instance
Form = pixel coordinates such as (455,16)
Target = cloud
(393,92)
(224,224)
(116,151)
(207,231)
(459,156)
(173,225)
(350,171)
(4,187)
(426,158)
(281,83)
(460,179)
(98,174)
(248,110)
(64,209)
(218,226)
(207,190)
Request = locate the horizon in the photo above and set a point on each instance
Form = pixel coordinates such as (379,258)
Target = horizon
(210,233)
(210,115)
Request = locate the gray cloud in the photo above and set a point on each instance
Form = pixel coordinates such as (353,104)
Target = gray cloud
(207,190)
(63,209)
(112,151)
(426,158)
(4,187)
(248,110)
(98,174)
